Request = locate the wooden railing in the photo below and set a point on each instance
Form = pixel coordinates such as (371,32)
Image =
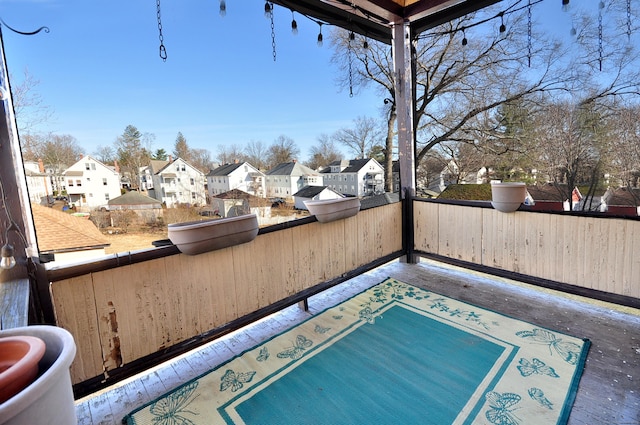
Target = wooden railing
(125,313)
(591,252)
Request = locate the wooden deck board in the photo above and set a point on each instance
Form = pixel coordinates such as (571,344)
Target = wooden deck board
(608,391)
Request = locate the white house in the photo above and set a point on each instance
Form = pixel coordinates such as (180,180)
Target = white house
(357,177)
(38,182)
(242,176)
(313,193)
(90,183)
(288,178)
(174,182)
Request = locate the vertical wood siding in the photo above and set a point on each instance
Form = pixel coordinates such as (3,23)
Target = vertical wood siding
(590,252)
(122,314)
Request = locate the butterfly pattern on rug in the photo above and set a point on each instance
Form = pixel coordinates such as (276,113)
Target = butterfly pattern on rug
(535,367)
(501,408)
(569,351)
(538,395)
(172,409)
(234,380)
(263,355)
(297,350)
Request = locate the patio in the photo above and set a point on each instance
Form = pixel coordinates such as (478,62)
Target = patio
(608,391)
(178,302)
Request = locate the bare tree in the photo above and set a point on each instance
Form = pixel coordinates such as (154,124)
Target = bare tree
(360,139)
(255,153)
(104,154)
(28,105)
(201,159)
(454,82)
(283,149)
(625,145)
(228,154)
(324,153)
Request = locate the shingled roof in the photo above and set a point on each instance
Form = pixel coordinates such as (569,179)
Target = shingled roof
(57,231)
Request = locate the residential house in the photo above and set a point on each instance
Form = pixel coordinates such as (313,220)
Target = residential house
(148,209)
(64,238)
(356,177)
(174,182)
(91,184)
(313,193)
(622,201)
(240,175)
(287,178)
(237,202)
(38,182)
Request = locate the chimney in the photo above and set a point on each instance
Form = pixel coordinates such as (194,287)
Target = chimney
(295,160)
(235,161)
(40,165)
(116,166)
(81,156)
(170,158)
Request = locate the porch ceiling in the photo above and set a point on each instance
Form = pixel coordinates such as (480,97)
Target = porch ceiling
(374,18)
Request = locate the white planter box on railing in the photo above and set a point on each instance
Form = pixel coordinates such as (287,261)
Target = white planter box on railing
(196,237)
(327,210)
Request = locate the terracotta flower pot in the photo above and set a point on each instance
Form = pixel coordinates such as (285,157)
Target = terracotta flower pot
(507,197)
(327,210)
(48,399)
(19,357)
(196,237)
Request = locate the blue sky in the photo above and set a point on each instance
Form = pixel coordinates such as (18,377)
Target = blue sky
(99,71)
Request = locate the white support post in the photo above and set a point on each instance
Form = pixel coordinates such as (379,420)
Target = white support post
(403,71)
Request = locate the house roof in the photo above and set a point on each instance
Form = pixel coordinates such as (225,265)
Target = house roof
(311,191)
(156,165)
(225,170)
(379,200)
(356,165)
(624,197)
(57,231)
(134,198)
(548,192)
(471,192)
(374,18)
(290,169)
(254,201)
(350,166)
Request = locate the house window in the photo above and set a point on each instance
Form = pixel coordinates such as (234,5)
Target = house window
(104,182)
(193,182)
(87,167)
(78,182)
(70,183)
(106,196)
(183,168)
(193,195)
(91,195)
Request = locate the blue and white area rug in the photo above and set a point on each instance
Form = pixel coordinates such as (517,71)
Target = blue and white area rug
(393,354)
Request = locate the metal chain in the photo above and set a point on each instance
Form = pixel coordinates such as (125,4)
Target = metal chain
(601,6)
(163,50)
(629,19)
(273,34)
(529,33)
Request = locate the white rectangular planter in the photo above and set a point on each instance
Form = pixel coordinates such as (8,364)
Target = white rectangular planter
(196,237)
(327,210)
